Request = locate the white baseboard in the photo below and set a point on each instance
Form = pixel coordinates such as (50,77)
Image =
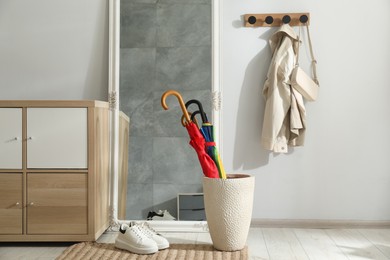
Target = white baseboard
(319,223)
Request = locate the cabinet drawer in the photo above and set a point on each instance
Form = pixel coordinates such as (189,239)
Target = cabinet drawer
(57,138)
(56,203)
(11,202)
(190,201)
(192,214)
(190,206)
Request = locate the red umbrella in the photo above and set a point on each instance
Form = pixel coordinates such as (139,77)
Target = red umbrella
(198,143)
(196,138)
(207,131)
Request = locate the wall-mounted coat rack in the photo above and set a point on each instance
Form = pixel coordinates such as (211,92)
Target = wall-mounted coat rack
(268,20)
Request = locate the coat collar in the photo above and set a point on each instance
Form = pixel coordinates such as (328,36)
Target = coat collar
(284,30)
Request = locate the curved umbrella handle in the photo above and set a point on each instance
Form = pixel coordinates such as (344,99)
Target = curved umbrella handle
(202,113)
(194,114)
(193,118)
(179,98)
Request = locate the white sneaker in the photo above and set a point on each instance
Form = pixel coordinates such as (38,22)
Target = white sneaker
(162,242)
(134,240)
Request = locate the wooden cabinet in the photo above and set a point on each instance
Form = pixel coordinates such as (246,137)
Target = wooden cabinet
(54,171)
(123,163)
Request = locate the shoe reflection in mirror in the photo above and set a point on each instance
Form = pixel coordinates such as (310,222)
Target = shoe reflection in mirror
(151,214)
(160,215)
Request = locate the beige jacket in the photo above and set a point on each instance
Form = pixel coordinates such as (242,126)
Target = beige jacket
(284,114)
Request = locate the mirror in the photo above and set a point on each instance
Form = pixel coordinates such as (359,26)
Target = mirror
(164,45)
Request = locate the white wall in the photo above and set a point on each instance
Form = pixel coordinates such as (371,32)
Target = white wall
(343,171)
(57,49)
(53,49)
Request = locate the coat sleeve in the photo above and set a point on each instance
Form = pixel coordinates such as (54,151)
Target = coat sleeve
(277,93)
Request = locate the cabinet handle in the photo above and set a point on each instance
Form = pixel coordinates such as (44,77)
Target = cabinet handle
(13,139)
(15,205)
(30,138)
(31,204)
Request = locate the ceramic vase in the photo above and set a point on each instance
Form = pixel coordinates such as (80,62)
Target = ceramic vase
(228,205)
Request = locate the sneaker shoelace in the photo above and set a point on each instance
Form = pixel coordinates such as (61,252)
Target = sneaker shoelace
(148,229)
(138,232)
(144,228)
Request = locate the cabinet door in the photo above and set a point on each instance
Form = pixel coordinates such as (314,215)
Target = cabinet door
(56,203)
(10,138)
(11,213)
(57,138)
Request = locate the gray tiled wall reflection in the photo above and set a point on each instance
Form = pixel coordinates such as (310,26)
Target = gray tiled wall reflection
(165,44)
(184,68)
(183,25)
(138,25)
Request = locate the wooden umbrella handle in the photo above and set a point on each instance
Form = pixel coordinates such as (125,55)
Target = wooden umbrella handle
(184,122)
(179,98)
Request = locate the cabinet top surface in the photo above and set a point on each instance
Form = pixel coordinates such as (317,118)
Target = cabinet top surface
(53,103)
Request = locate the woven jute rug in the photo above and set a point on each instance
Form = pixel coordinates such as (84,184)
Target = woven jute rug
(89,250)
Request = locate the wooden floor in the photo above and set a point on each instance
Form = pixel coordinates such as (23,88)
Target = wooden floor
(263,243)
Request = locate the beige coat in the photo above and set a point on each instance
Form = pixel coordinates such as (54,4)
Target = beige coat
(284,114)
